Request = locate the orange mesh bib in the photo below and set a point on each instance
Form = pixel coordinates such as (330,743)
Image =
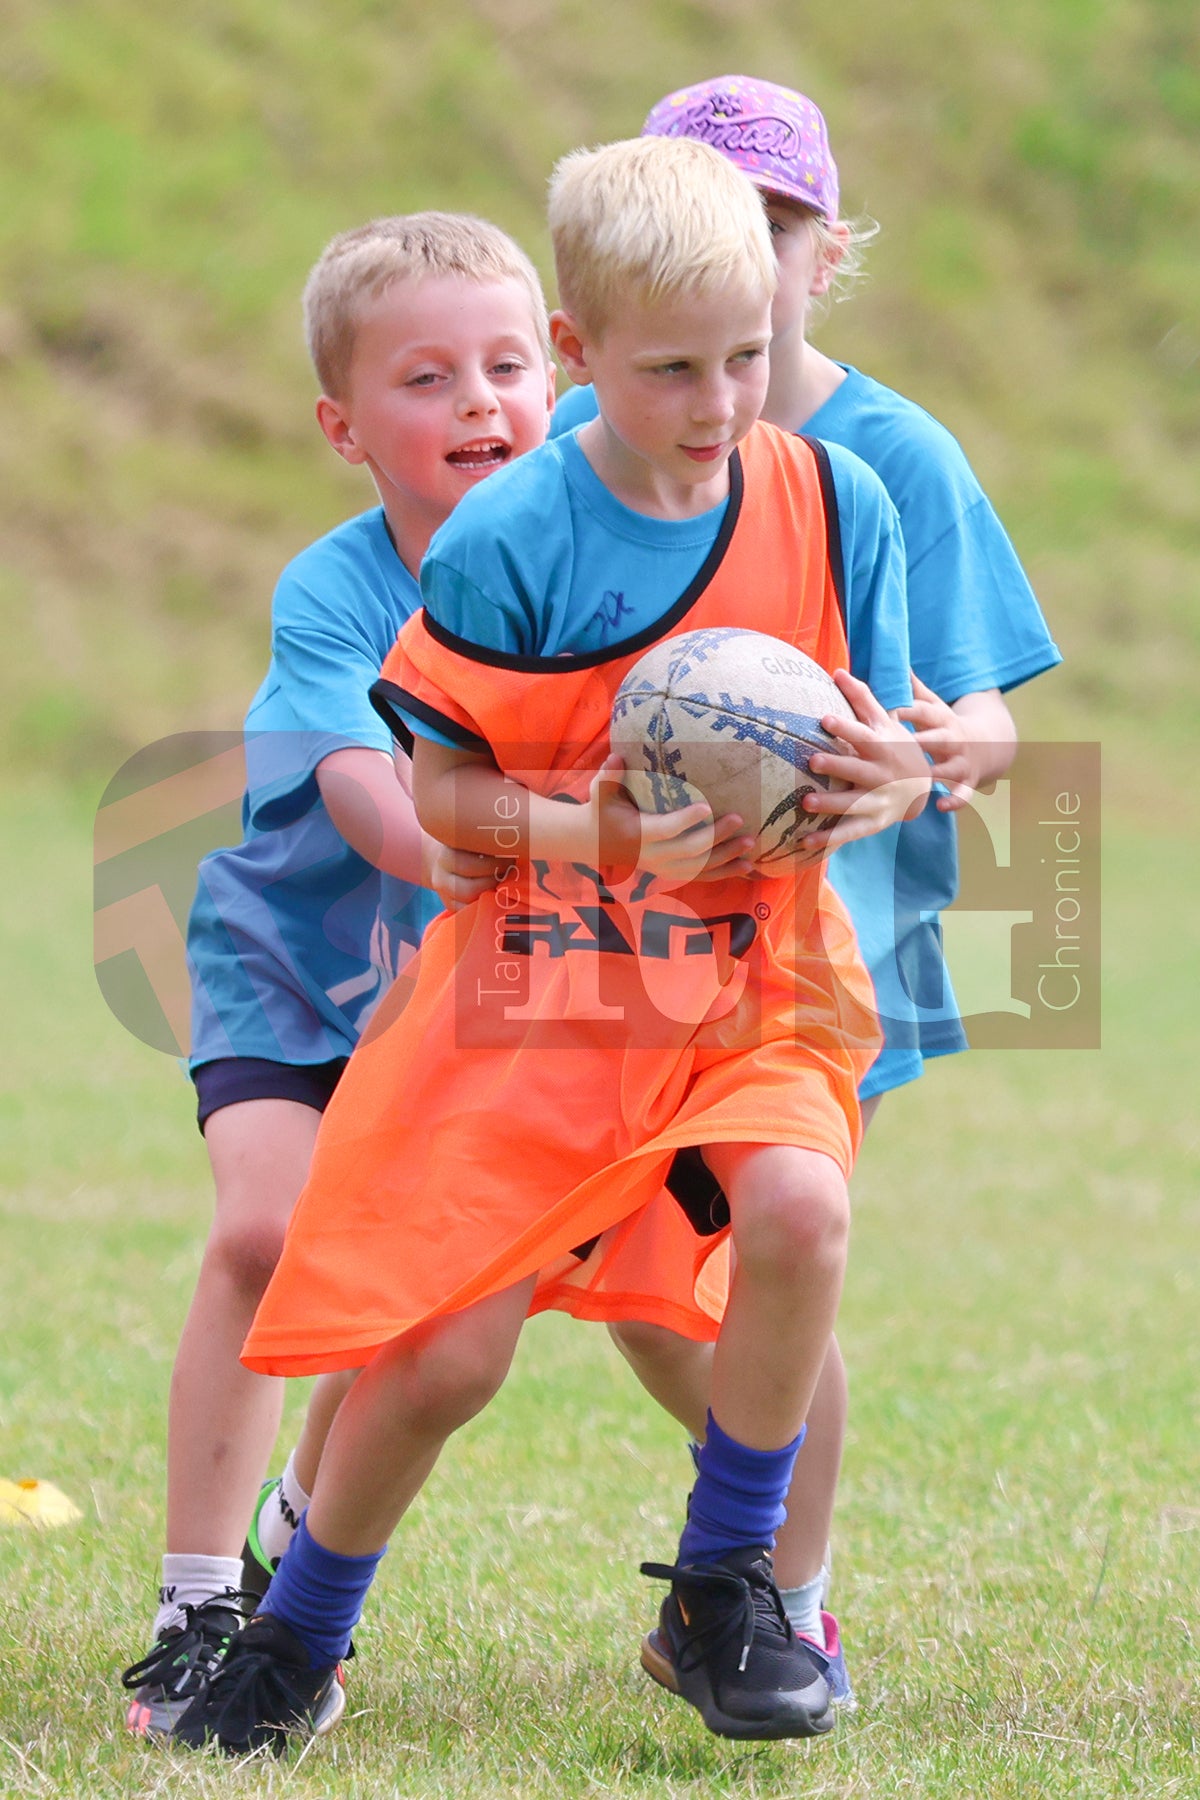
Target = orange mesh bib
(524,1091)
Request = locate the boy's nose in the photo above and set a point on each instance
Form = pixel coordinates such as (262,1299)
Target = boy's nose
(714,404)
(477,395)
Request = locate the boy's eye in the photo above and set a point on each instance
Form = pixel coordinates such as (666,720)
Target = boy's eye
(510,366)
(671,368)
(423,379)
(747,356)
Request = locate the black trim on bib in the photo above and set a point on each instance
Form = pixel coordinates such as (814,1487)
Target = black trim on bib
(388,699)
(593,659)
(833,524)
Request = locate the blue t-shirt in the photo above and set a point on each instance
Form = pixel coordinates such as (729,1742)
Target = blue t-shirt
(973,623)
(595,573)
(293,936)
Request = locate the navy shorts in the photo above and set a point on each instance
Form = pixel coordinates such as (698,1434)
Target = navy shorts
(233,1078)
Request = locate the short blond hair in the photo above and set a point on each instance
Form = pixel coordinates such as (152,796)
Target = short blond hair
(654,217)
(357,266)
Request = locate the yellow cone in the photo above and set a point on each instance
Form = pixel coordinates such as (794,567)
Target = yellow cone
(35,1503)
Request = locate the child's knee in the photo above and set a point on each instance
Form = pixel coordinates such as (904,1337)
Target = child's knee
(642,1343)
(449,1377)
(797,1220)
(245,1252)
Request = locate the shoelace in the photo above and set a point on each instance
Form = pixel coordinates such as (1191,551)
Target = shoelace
(760,1605)
(199,1632)
(255,1680)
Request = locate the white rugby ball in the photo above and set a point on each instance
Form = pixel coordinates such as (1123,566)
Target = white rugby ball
(734,716)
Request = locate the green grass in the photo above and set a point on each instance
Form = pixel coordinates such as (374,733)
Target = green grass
(1018,1543)
(1019,1530)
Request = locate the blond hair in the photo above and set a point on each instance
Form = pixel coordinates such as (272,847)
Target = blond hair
(845,252)
(654,217)
(357,266)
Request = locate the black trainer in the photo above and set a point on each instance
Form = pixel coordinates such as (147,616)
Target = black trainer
(165,1682)
(263,1695)
(732,1651)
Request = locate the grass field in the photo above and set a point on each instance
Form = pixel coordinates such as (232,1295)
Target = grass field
(1018,1549)
(1018,1554)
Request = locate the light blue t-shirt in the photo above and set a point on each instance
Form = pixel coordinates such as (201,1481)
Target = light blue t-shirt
(293,936)
(973,623)
(590,573)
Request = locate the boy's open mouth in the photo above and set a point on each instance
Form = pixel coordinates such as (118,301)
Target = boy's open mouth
(477,459)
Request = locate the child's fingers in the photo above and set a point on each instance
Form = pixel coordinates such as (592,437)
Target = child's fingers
(841,768)
(924,716)
(958,794)
(851,731)
(728,826)
(858,736)
(866,706)
(688,821)
(839,801)
(831,837)
(921,691)
(730,850)
(472,864)
(727,859)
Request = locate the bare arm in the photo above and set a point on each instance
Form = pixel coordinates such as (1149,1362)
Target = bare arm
(368,796)
(466,802)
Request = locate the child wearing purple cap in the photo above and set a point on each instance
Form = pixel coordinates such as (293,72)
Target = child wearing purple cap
(976,631)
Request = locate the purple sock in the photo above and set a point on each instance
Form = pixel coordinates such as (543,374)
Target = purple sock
(738,1497)
(319,1594)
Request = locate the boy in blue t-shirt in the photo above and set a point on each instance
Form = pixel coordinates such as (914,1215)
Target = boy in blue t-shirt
(448,1177)
(430,340)
(975,630)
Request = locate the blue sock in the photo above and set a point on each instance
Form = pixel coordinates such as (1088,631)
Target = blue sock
(319,1594)
(738,1497)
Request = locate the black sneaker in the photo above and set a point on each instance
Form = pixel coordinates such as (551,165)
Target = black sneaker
(726,1645)
(263,1695)
(165,1682)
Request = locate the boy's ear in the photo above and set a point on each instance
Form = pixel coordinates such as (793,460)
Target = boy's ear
(332,418)
(569,347)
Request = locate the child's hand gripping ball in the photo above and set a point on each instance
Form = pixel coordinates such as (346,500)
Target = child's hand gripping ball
(730,716)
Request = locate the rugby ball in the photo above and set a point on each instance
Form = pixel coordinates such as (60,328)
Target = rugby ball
(733,716)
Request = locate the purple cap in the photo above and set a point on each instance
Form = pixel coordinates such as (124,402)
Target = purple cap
(776,136)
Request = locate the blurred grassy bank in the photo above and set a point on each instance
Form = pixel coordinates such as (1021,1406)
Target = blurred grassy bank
(169,177)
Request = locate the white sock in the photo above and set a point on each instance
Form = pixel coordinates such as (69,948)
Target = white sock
(191,1580)
(803,1607)
(281,1511)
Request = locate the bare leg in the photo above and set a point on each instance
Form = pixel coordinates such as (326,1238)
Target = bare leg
(390,1429)
(804,1535)
(222,1420)
(678,1374)
(676,1371)
(327,1395)
(790,1213)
